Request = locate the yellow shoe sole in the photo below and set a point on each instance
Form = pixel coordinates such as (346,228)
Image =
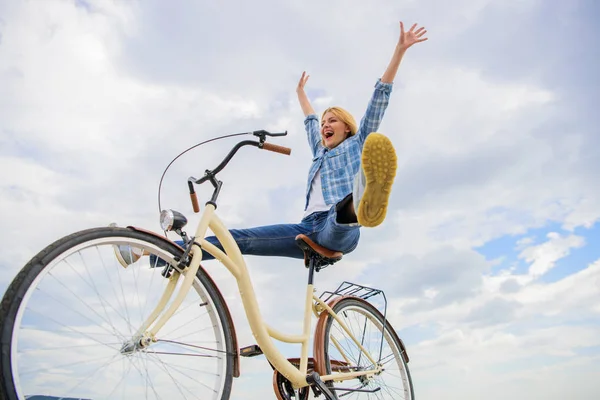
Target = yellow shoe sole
(379,164)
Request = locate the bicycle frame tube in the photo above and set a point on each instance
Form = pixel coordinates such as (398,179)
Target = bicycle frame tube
(233,260)
(190,274)
(169,290)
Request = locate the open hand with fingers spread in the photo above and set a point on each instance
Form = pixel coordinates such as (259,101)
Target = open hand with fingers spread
(302,97)
(411,37)
(302,82)
(406,40)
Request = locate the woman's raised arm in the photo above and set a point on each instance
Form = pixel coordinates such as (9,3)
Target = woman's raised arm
(406,40)
(302,97)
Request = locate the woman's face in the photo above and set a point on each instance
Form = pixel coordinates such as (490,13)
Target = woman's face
(333,131)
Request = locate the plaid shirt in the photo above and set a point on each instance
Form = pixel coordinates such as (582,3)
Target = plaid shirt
(340,165)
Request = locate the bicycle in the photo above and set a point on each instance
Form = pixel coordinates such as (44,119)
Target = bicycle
(47,336)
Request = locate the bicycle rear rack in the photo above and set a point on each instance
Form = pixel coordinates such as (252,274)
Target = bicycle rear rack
(364,292)
(352,289)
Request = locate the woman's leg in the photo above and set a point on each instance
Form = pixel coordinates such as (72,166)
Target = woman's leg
(337,236)
(271,240)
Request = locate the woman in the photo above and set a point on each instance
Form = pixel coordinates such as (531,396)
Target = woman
(349,181)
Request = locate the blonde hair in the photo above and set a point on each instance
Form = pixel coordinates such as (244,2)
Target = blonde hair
(343,116)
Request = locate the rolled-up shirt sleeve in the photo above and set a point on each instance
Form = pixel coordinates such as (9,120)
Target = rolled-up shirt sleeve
(311,125)
(375,110)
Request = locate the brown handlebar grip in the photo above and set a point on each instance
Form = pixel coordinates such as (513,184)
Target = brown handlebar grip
(195,205)
(277,149)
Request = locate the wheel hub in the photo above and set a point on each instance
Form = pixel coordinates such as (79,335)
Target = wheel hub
(135,344)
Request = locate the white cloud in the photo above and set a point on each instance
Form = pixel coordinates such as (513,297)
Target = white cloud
(544,256)
(571,296)
(524,242)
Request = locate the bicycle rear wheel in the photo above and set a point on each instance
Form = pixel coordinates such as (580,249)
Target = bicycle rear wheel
(340,354)
(68,319)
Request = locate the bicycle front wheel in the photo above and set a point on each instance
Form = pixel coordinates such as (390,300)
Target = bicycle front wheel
(68,325)
(340,353)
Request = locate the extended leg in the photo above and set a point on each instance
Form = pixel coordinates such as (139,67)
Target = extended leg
(373,183)
(270,240)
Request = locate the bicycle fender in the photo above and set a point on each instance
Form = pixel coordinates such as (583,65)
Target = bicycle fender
(229,322)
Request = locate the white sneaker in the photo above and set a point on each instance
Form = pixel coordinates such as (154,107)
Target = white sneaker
(373,183)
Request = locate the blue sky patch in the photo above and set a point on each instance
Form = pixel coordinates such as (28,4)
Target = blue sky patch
(507,249)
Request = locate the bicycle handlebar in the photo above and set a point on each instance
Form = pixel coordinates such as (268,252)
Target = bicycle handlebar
(194,199)
(210,175)
(277,149)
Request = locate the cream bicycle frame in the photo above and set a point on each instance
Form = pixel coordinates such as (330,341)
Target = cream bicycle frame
(263,333)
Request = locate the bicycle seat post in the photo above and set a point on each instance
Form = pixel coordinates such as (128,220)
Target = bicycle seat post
(311,268)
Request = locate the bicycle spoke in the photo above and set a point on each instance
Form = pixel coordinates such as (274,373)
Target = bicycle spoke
(128,318)
(79,313)
(180,354)
(135,282)
(69,328)
(65,261)
(71,331)
(147,380)
(113,359)
(198,331)
(150,284)
(67,347)
(112,286)
(364,324)
(100,298)
(162,365)
(194,346)
(186,375)
(122,380)
(184,323)
(64,365)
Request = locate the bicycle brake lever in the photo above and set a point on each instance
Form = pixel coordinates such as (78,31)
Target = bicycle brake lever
(262,133)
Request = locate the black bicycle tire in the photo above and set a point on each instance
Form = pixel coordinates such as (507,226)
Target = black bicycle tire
(345,302)
(13,296)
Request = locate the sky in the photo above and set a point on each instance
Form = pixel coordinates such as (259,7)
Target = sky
(489,254)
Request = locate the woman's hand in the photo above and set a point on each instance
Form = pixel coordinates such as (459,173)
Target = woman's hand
(411,37)
(302,82)
(406,40)
(302,98)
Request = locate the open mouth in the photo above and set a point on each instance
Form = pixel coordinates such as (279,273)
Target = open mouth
(327,135)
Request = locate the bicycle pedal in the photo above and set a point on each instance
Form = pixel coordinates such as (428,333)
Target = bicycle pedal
(250,351)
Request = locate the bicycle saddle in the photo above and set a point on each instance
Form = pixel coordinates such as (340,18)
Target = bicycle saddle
(321,256)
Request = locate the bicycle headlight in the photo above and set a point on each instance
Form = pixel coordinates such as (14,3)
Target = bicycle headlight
(171,220)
